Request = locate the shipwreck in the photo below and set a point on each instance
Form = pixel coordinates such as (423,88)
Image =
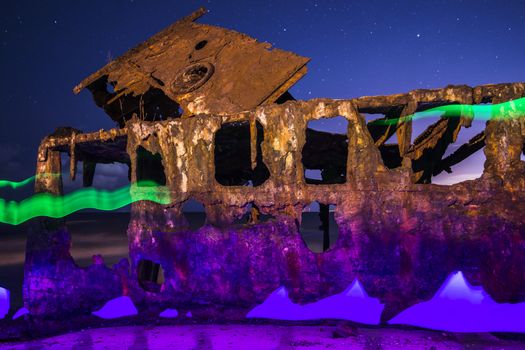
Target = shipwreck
(205,112)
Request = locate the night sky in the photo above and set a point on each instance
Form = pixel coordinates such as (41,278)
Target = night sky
(357,48)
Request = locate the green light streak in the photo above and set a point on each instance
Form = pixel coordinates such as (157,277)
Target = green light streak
(505,110)
(19,184)
(16,184)
(45,204)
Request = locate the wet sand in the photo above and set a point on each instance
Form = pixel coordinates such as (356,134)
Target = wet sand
(255,337)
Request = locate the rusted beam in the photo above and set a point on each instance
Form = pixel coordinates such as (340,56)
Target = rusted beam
(466,150)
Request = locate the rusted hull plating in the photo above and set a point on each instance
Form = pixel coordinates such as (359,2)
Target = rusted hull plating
(400,238)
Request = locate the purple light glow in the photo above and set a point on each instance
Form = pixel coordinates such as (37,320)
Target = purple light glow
(21,312)
(278,306)
(251,337)
(118,307)
(460,307)
(4,302)
(352,304)
(169,313)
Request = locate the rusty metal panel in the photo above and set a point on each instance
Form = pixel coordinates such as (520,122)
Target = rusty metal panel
(204,68)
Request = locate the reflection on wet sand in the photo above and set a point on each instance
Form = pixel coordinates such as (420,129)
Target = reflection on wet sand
(200,337)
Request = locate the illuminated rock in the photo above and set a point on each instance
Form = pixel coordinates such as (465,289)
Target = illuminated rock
(460,307)
(352,304)
(169,313)
(21,312)
(118,307)
(4,302)
(279,307)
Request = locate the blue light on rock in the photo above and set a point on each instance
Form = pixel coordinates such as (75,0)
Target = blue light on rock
(352,304)
(118,307)
(4,302)
(460,307)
